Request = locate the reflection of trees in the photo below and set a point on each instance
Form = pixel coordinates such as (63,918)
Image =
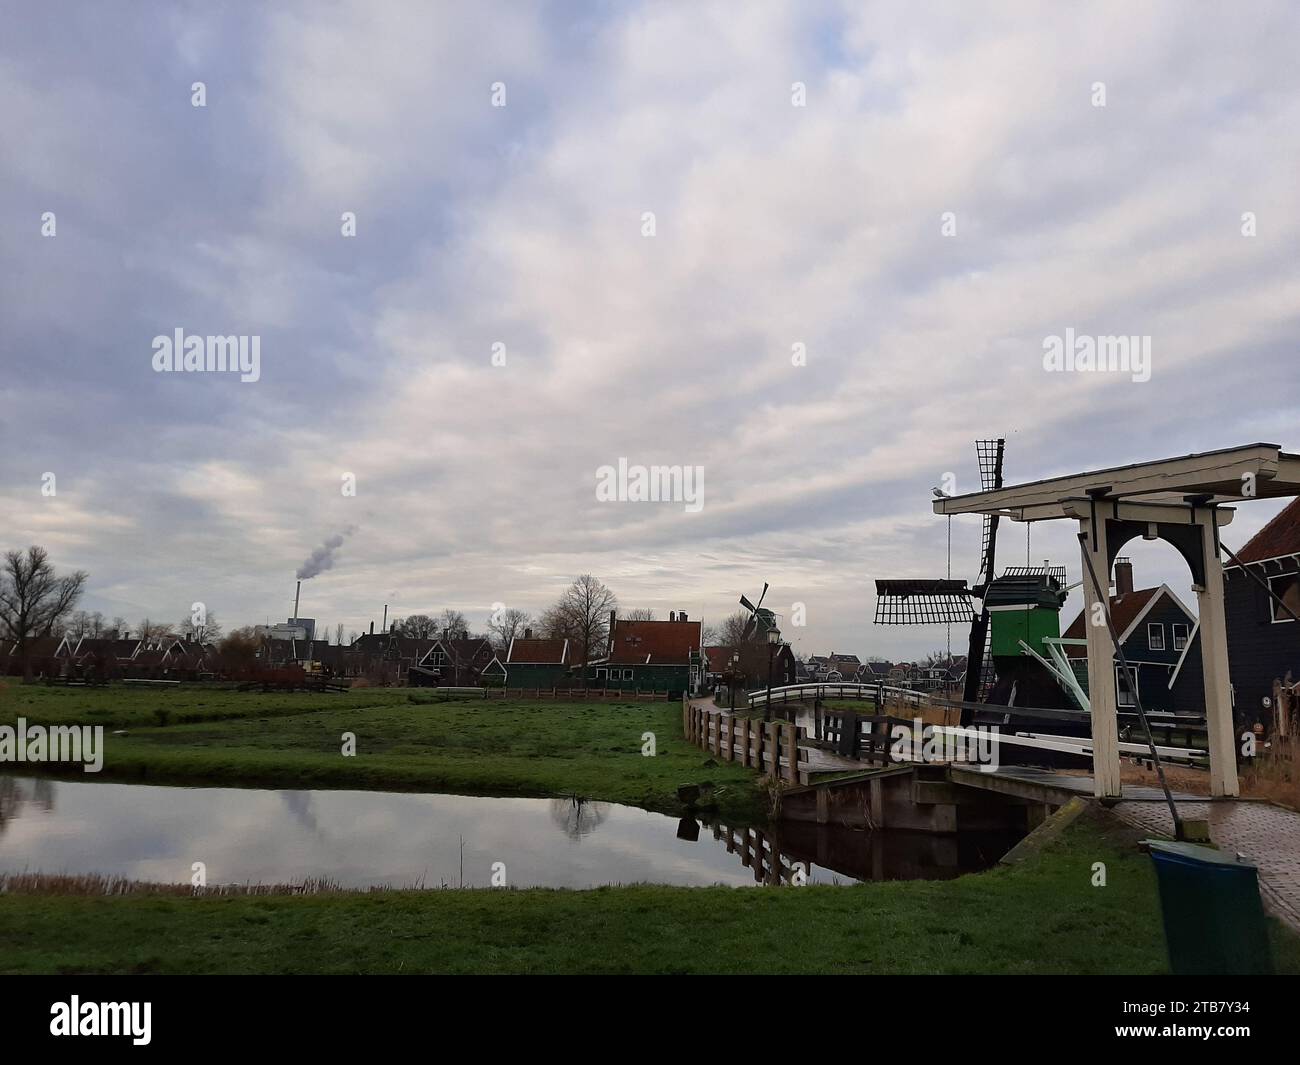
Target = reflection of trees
(302,805)
(14,793)
(578,817)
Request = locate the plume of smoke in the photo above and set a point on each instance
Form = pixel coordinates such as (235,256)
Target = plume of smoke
(322,558)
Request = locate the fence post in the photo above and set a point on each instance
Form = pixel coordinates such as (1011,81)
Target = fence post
(774,741)
(792,743)
(744,744)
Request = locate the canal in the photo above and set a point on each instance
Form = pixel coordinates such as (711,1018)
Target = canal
(362,839)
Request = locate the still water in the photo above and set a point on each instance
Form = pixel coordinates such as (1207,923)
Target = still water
(365,838)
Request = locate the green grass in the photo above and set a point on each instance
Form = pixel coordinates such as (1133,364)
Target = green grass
(121,706)
(405,741)
(1043,916)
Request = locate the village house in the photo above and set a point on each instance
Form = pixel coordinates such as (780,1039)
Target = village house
(1155,631)
(1263,639)
(786,669)
(456,661)
(652,655)
(537,662)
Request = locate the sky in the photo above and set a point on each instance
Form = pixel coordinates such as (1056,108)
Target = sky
(811,251)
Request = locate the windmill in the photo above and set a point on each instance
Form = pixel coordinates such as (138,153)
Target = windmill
(760,620)
(926,601)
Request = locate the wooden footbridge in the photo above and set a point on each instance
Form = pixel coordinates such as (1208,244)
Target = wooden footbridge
(850,770)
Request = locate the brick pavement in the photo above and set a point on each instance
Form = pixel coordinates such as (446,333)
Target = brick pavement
(1266,835)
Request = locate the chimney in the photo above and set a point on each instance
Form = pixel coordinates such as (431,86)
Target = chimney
(297,594)
(672,616)
(681,615)
(528,634)
(1123,575)
(385,624)
(372,628)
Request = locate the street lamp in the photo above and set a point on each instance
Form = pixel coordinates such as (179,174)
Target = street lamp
(731,681)
(773,642)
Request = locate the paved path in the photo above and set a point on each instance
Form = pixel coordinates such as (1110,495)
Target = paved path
(1266,835)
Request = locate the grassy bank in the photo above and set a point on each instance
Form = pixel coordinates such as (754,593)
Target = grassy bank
(119,706)
(1043,916)
(405,740)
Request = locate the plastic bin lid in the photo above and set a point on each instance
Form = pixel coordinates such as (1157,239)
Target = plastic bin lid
(1194,852)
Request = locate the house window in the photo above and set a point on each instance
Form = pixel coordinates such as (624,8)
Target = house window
(627,674)
(1286,588)
(1156,637)
(1124,689)
(601,673)
(1179,632)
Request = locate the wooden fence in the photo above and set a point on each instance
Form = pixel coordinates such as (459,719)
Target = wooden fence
(572,694)
(774,747)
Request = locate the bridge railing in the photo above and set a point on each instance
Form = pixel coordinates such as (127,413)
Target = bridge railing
(775,748)
(877,693)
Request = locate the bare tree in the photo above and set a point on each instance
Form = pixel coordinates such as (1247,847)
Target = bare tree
(83,624)
(33,599)
(640,613)
(582,615)
(150,629)
(731,633)
(338,634)
(418,626)
(206,631)
(505,626)
(453,622)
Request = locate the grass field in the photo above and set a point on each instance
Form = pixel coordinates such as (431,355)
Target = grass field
(405,740)
(1043,916)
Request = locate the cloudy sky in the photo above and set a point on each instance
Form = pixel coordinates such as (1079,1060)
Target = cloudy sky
(524,225)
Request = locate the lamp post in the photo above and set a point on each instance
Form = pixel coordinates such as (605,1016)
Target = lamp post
(735,673)
(773,642)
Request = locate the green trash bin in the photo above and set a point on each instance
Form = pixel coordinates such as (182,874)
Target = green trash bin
(1214,921)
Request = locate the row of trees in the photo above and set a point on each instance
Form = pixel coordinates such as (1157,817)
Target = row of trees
(36,602)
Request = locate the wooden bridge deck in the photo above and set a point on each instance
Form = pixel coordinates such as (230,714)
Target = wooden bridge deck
(1046,785)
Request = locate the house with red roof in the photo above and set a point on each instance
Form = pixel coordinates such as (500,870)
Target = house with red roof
(1158,635)
(538,662)
(1263,639)
(652,656)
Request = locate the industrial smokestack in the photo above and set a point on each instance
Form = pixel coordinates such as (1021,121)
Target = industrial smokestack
(384,626)
(296,595)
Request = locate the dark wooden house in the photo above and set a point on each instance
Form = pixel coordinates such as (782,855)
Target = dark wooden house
(1158,635)
(1263,640)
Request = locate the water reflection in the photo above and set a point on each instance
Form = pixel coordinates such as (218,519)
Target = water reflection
(578,817)
(784,852)
(363,839)
(16,792)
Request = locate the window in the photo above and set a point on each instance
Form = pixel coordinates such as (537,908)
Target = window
(1179,632)
(1286,588)
(627,674)
(600,673)
(1156,637)
(1123,689)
